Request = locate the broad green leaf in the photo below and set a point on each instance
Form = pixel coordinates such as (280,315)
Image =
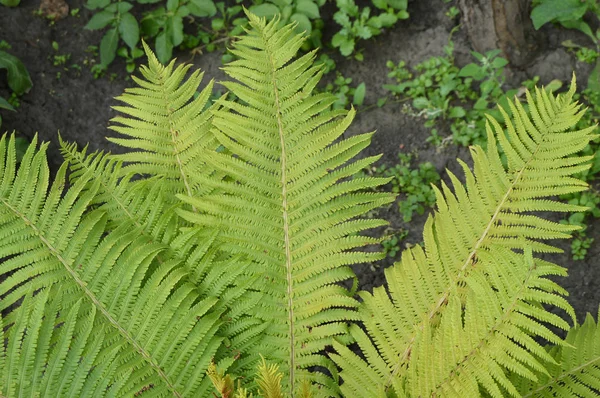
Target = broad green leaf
(108,47)
(347,47)
(359,94)
(381,4)
(202,8)
(100,20)
(420,103)
(387,20)
(176,30)
(265,10)
(18,77)
(561,10)
(398,4)
(499,62)
(308,8)
(164,47)
(457,112)
(10,3)
(95,4)
(172,5)
(129,29)
(593,82)
(303,23)
(471,70)
(4,104)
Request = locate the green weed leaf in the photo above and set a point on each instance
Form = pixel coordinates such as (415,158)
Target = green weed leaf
(560,10)
(4,104)
(10,3)
(202,8)
(265,10)
(308,8)
(359,94)
(18,77)
(129,30)
(100,20)
(95,4)
(164,47)
(398,4)
(303,22)
(108,47)
(176,30)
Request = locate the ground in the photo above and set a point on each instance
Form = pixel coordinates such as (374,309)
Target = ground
(78,106)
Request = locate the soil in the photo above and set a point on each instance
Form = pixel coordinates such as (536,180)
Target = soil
(78,106)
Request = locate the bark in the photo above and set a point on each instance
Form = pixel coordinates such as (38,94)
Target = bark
(502,24)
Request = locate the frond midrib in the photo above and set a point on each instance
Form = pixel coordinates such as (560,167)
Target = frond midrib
(173,132)
(444,298)
(285,216)
(92,297)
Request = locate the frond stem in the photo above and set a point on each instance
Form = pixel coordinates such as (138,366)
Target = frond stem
(174,135)
(286,232)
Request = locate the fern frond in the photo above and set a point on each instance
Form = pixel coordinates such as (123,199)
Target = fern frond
(101,317)
(287,203)
(269,380)
(461,314)
(576,368)
(167,125)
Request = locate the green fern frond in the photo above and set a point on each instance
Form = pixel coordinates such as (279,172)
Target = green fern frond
(142,205)
(104,319)
(166,124)
(287,203)
(461,314)
(576,368)
(576,371)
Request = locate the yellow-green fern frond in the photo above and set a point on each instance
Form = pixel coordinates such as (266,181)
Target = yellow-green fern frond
(461,313)
(100,316)
(287,203)
(269,380)
(166,124)
(576,371)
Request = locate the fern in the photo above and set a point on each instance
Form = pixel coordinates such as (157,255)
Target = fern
(475,289)
(167,126)
(147,325)
(224,236)
(281,205)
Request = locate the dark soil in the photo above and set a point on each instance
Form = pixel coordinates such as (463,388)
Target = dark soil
(79,106)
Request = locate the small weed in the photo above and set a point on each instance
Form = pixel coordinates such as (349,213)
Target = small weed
(14,100)
(453,12)
(391,241)
(60,60)
(4,45)
(345,93)
(581,243)
(357,23)
(412,184)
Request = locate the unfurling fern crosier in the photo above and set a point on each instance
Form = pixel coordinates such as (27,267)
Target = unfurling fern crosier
(223,238)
